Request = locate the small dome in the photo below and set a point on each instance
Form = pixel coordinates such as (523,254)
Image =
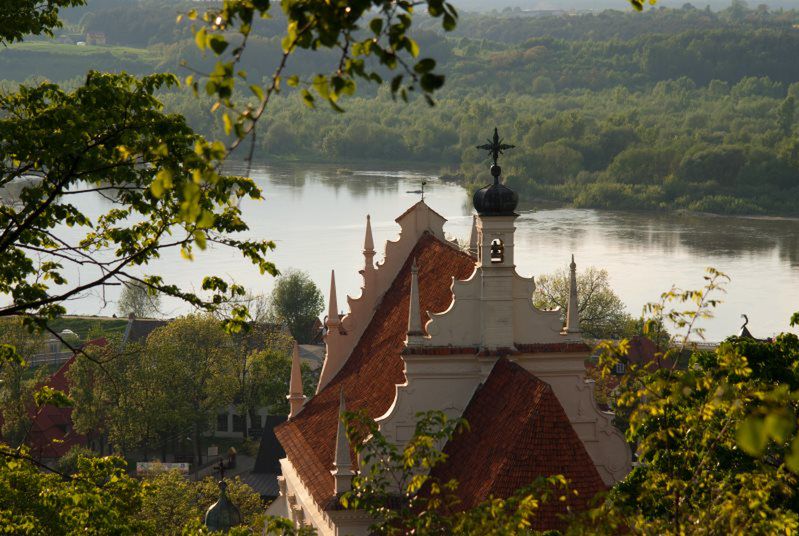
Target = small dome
(495,199)
(223,514)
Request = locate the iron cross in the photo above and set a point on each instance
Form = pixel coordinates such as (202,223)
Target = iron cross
(424,183)
(495,146)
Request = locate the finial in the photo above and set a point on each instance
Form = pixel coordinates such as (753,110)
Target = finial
(368,242)
(342,463)
(296,398)
(332,309)
(495,147)
(420,191)
(473,238)
(415,332)
(572,310)
(495,199)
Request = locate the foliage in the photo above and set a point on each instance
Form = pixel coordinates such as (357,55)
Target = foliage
(159,176)
(139,300)
(602,313)
(714,440)
(367,39)
(17,383)
(34,17)
(297,302)
(263,367)
(144,396)
(69,463)
(171,501)
(99,499)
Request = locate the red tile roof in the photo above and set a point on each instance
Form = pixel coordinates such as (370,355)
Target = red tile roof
(374,366)
(518,432)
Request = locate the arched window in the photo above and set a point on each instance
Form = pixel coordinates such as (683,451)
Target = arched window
(497,251)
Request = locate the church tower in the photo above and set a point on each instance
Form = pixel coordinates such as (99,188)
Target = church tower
(496,205)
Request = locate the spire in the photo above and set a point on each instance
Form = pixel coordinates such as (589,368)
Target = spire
(368,251)
(415,332)
(343,472)
(332,310)
(368,243)
(473,238)
(295,397)
(572,311)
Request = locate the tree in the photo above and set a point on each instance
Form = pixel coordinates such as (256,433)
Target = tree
(17,383)
(101,498)
(263,363)
(194,359)
(139,300)
(298,302)
(602,313)
(716,441)
(31,17)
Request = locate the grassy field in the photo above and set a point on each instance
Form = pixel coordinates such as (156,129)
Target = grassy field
(60,62)
(83,325)
(52,47)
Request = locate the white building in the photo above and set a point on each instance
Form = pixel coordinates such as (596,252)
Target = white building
(439,328)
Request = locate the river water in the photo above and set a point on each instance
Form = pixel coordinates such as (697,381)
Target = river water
(316,215)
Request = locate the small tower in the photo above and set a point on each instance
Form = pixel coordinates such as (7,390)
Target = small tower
(223,515)
(295,396)
(572,310)
(496,205)
(342,473)
(415,331)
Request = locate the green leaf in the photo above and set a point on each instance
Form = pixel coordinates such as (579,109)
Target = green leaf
(751,436)
(792,459)
(162,182)
(228,124)
(425,65)
(413,47)
(200,38)
(217,43)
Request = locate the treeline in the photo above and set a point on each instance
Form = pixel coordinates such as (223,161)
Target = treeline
(719,148)
(687,108)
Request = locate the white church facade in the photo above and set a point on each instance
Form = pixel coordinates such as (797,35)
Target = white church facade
(439,328)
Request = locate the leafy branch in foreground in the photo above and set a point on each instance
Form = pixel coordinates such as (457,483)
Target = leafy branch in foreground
(110,139)
(370,38)
(714,432)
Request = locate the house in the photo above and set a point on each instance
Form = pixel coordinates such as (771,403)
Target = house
(438,328)
(95,38)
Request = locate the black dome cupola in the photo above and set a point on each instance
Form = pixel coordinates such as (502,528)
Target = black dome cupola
(495,199)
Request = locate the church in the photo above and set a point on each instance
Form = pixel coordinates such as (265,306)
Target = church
(438,327)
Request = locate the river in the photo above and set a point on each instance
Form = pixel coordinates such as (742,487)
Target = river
(316,215)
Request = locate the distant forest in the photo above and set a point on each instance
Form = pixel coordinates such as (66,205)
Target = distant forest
(669,109)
